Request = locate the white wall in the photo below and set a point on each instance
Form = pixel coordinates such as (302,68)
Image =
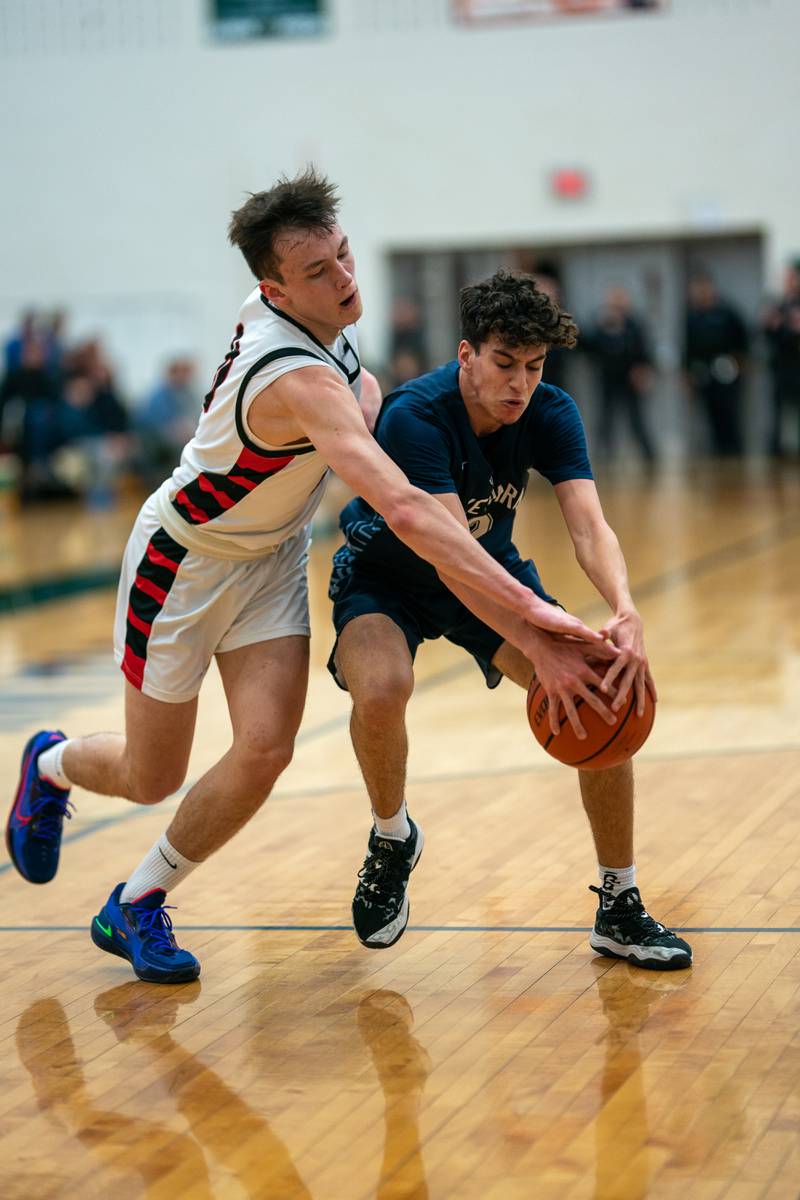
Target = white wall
(128,136)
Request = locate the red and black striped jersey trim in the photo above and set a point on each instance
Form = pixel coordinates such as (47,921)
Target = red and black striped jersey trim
(155,576)
(211,494)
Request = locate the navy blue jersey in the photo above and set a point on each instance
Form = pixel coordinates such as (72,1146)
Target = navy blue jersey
(424,427)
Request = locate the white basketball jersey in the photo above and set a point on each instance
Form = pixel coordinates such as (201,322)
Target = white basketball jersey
(233,496)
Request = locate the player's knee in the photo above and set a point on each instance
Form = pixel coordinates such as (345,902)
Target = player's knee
(381,701)
(153,791)
(264,765)
(145,789)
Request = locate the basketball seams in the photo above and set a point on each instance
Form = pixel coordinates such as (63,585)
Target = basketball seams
(535,693)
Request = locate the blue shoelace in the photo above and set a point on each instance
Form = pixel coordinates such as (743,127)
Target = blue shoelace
(156,925)
(48,812)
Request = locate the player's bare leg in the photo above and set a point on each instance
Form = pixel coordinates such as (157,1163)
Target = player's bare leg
(145,764)
(623,929)
(265,686)
(608,800)
(374,660)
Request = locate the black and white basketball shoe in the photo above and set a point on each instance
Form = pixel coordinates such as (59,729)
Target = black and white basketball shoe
(624,929)
(380,905)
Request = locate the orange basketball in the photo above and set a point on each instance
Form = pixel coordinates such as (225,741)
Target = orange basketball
(604,745)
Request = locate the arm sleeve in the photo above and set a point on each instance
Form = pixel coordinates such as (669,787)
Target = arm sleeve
(559,442)
(419,447)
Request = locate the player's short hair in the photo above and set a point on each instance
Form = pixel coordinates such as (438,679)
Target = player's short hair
(511,306)
(308,202)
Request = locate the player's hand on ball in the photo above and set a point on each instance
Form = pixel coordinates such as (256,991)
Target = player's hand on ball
(631,666)
(565,674)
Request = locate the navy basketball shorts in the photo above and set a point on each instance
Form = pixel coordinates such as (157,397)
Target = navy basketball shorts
(421,614)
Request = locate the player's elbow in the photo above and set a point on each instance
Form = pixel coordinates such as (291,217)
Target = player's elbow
(404,515)
(402,519)
(593,539)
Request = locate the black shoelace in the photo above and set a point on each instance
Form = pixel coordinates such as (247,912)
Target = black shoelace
(634,917)
(382,877)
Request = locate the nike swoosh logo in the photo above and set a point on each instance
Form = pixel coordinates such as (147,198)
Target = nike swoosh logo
(166,860)
(102,927)
(19,818)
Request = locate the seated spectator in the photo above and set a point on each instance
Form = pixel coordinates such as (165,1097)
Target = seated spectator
(168,418)
(30,419)
(94,437)
(15,344)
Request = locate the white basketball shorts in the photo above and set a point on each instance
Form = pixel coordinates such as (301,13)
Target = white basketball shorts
(176,609)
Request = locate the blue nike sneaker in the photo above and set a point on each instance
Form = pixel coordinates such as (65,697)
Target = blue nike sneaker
(36,820)
(142,933)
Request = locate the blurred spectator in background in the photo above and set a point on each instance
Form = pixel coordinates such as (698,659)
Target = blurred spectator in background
(30,416)
(716,349)
(617,345)
(95,445)
(555,366)
(407,328)
(168,419)
(403,366)
(15,344)
(407,347)
(782,330)
(61,415)
(53,334)
(47,329)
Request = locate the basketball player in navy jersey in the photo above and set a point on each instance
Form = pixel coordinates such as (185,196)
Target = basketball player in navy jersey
(468,433)
(216,568)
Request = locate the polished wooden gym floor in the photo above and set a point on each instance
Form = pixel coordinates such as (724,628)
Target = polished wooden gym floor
(489,1055)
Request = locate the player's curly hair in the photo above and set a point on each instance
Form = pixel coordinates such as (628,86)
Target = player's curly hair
(307,202)
(511,306)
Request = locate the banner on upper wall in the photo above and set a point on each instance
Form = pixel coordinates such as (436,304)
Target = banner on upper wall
(238,20)
(480,12)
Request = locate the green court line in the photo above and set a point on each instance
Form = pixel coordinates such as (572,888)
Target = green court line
(20,596)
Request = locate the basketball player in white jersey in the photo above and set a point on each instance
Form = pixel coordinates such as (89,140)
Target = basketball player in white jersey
(216,567)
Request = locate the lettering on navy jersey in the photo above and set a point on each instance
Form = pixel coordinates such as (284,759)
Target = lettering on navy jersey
(506,493)
(478,515)
(479,518)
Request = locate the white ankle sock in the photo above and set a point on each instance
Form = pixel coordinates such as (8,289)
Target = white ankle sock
(49,767)
(614,880)
(396,827)
(162,867)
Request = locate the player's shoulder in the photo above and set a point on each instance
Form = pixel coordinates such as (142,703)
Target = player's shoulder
(551,402)
(428,396)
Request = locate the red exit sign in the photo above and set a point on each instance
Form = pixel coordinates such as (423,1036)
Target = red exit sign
(569,183)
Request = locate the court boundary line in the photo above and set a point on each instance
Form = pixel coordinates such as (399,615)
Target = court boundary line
(573,929)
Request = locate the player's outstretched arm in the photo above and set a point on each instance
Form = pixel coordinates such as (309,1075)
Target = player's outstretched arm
(327,413)
(370,399)
(561,664)
(600,556)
